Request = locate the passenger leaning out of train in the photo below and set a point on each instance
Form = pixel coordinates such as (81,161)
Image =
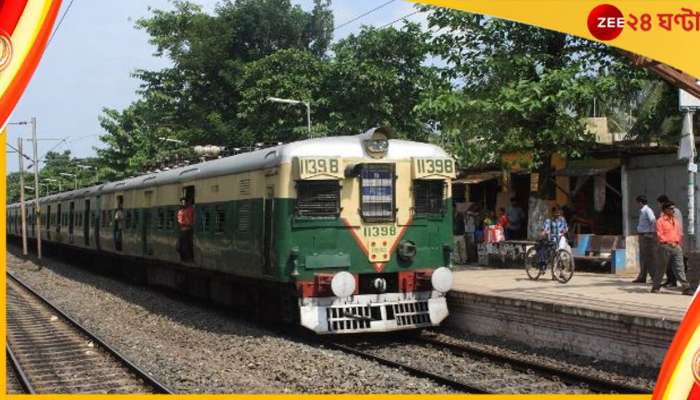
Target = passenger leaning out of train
(118,225)
(185,220)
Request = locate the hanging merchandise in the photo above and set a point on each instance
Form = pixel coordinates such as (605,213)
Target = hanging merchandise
(599,192)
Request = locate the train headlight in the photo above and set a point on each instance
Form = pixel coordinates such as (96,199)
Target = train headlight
(407,250)
(376,141)
(442,279)
(343,284)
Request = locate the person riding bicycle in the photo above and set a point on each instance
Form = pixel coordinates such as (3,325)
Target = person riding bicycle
(553,230)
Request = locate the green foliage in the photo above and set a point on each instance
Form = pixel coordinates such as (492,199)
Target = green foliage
(379,77)
(226,65)
(520,88)
(54,164)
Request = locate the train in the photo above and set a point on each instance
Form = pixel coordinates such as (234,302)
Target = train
(340,234)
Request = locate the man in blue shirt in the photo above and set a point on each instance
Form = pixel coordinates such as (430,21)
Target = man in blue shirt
(646,228)
(555,227)
(553,230)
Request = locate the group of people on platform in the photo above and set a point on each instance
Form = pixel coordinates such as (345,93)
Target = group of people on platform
(661,245)
(477,225)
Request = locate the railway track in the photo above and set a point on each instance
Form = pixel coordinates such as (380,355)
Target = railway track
(537,374)
(593,383)
(52,353)
(458,386)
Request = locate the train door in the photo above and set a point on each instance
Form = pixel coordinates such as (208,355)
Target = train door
(98,222)
(147,221)
(71,221)
(48,222)
(186,243)
(86,222)
(118,223)
(268,234)
(59,220)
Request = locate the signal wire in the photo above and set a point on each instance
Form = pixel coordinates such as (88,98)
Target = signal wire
(60,21)
(363,15)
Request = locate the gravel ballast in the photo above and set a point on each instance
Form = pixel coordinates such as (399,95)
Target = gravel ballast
(197,349)
(194,349)
(482,373)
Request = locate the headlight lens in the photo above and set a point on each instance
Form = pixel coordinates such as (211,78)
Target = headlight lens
(407,250)
(442,279)
(343,284)
(377,146)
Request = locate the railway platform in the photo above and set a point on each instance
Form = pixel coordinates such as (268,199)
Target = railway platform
(606,317)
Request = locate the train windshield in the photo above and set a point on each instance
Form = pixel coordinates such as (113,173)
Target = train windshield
(377,202)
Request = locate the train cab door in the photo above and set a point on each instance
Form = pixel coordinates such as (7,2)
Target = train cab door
(86,222)
(268,234)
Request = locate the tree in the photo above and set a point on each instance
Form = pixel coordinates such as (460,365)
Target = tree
(524,89)
(225,66)
(291,73)
(12,182)
(378,77)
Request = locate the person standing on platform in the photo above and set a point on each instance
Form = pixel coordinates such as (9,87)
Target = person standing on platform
(646,228)
(470,226)
(516,221)
(185,220)
(460,252)
(670,277)
(668,232)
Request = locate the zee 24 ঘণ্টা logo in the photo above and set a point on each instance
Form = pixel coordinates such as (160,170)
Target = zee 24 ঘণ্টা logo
(606,22)
(5,50)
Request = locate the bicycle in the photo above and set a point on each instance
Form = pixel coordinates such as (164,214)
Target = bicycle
(560,261)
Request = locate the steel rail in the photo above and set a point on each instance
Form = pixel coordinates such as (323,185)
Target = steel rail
(459,386)
(594,383)
(21,376)
(148,379)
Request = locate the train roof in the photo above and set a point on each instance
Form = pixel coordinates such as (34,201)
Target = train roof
(332,146)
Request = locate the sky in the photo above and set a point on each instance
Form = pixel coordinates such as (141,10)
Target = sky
(88,65)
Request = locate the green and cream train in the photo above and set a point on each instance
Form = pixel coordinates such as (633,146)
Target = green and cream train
(340,234)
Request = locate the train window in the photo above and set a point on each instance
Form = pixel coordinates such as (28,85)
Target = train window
(127,223)
(220,219)
(161,218)
(318,198)
(137,219)
(206,220)
(377,196)
(428,196)
(244,217)
(170,221)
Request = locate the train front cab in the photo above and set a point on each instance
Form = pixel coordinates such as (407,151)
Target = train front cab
(388,225)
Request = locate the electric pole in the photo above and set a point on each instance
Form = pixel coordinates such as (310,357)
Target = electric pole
(23,210)
(37,208)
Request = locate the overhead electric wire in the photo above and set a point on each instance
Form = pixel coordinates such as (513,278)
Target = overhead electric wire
(60,21)
(363,15)
(397,20)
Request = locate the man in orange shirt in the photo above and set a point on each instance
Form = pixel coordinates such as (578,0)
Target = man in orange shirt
(668,232)
(185,219)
